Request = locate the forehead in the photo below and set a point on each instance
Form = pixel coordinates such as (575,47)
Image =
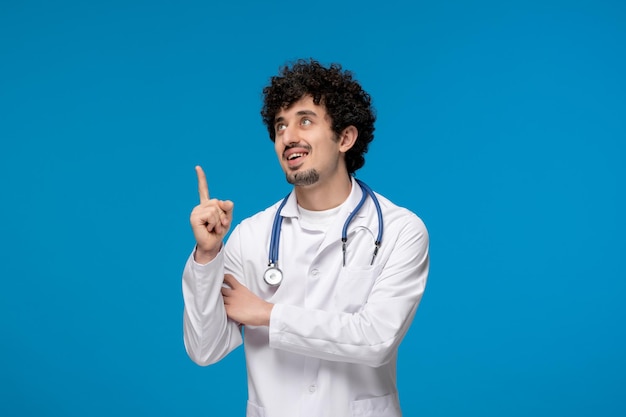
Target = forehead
(304,105)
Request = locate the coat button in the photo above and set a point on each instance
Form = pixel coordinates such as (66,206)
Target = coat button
(315,272)
(312,388)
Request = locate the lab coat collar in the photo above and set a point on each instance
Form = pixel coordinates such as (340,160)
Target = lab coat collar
(363,218)
(291,207)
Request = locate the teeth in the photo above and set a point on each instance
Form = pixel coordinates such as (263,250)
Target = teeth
(295,155)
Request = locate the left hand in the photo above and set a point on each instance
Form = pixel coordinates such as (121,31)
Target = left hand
(243,306)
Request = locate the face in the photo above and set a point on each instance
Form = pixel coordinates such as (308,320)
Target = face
(307,148)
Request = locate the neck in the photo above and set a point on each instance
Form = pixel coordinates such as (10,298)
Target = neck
(318,197)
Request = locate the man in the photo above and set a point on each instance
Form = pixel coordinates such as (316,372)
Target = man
(324,341)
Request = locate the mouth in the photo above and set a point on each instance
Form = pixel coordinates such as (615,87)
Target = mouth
(295,157)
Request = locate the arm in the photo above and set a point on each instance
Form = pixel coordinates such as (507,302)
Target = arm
(208,334)
(371,335)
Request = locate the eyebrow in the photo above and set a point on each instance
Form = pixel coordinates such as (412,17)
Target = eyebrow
(300,113)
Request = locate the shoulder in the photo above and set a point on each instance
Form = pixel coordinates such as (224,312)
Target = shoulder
(257,226)
(402,227)
(398,215)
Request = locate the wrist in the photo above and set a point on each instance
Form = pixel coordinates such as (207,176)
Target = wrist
(268,314)
(202,256)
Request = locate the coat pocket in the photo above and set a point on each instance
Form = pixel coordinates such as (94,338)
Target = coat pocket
(385,406)
(354,286)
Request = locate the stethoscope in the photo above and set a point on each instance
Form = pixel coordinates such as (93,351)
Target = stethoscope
(273,276)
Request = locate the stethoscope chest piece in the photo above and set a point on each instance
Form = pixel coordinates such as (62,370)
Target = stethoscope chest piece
(273,276)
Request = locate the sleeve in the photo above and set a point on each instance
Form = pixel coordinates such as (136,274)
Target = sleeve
(209,335)
(371,335)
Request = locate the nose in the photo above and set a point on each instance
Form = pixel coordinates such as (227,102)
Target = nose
(289,136)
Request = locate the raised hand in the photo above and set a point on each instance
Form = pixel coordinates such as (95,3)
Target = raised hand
(210,221)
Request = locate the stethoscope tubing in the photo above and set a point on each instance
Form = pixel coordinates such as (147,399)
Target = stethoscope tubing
(275,238)
(273,269)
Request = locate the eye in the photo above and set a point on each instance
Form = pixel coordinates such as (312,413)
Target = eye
(280,126)
(306,122)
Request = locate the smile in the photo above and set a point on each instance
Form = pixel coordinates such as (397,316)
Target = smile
(295,155)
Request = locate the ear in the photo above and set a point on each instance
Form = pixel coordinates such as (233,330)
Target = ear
(347,138)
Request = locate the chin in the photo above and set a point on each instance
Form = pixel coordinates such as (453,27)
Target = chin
(303,178)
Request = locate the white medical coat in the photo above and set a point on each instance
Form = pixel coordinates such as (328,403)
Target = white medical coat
(330,348)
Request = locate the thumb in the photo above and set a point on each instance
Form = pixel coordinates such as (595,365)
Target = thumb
(231,281)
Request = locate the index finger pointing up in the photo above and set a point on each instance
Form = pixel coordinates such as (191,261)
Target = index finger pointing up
(203,187)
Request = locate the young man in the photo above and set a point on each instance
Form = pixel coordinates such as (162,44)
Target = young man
(321,336)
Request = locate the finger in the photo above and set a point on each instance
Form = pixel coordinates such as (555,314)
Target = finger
(203,187)
(225,219)
(230,281)
(226,212)
(226,205)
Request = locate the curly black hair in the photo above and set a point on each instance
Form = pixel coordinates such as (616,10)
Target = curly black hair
(345,101)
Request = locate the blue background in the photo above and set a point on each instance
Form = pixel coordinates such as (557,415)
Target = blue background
(501,124)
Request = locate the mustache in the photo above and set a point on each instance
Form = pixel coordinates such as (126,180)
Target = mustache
(297,145)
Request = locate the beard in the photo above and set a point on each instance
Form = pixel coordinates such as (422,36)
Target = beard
(309,177)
